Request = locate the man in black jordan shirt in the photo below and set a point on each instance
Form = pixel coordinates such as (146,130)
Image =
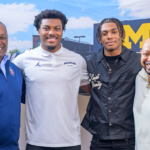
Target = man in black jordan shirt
(112,72)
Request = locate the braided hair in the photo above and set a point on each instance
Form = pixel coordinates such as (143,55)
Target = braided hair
(110,20)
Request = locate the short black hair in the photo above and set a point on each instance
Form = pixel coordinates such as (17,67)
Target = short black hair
(50,14)
(111,20)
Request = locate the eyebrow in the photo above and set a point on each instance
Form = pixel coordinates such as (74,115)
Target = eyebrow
(3,34)
(146,50)
(110,30)
(54,26)
(58,26)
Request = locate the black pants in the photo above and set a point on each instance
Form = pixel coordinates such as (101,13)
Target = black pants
(32,147)
(127,144)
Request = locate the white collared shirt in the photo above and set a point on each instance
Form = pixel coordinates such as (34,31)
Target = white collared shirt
(52,85)
(2,64)
(141,111)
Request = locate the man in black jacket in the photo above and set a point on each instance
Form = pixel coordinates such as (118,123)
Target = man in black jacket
(112,72)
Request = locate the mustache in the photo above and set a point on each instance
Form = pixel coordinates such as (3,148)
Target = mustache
(51,36)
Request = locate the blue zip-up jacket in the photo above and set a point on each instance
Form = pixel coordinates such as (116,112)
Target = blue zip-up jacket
(10,106)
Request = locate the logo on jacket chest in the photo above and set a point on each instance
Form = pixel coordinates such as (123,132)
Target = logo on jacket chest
(11,71)
(93,79)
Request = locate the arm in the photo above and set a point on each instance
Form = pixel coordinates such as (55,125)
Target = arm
(23,92)
(85,84)
(86,88)
(19,62)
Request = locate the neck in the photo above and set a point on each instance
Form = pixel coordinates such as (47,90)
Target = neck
(113,52)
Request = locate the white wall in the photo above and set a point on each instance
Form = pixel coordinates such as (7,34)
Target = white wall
(85,136)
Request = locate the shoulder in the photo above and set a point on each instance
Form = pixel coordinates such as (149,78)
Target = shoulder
(96,56)
(31,52)
(141,79)
(71,53)
(27,53)
(142,74)
(135,57)
(14,67)
(92,60)
(21,56)
(135,54)
(91,57)
(131,55)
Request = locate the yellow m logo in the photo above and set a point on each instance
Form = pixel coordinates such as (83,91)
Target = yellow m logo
(143,31)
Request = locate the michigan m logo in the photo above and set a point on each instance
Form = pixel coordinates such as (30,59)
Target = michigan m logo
(143,31)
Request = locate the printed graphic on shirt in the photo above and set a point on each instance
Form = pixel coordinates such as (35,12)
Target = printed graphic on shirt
(69,63)
(94,81)
(11,71)
(38,64)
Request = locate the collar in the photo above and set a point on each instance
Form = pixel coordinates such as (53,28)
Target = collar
(4,60)
(143,74)
(46,53)
(124,54)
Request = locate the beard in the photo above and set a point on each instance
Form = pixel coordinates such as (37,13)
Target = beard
(50,48)
(111,50)
(146,71)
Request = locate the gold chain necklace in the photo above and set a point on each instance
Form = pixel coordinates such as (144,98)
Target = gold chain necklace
(108,67)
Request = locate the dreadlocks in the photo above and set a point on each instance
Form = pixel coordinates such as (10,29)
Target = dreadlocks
(111,20)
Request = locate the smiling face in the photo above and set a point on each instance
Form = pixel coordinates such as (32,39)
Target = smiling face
(111,39)
(51,32)
(3,41)
(145,56)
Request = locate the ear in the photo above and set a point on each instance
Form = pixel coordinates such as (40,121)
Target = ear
(99,40)
(39,31)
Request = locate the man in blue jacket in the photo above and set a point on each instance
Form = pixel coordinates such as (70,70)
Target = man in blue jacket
(11,82)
